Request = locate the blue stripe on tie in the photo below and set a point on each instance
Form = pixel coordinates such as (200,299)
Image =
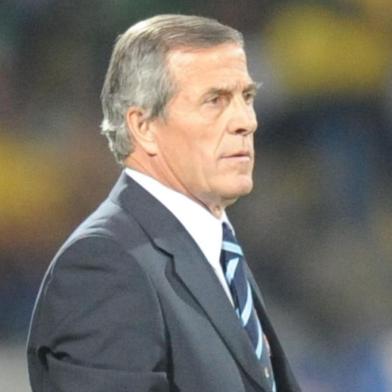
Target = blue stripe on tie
(231,268)
(231,247)
(233,265)
(259,347)
(248,306)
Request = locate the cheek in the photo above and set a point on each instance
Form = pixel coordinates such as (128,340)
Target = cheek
(205,153)
(197,165)
(181,155)
(193,145)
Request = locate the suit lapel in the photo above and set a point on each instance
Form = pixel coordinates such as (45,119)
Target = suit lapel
(192,269)
(206,289)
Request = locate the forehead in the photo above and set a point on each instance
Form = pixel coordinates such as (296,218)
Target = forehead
(223,65)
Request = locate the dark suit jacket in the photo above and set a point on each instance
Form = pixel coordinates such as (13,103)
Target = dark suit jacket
(129,303)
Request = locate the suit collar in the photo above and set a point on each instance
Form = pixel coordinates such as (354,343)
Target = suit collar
(192,215)
(167,233)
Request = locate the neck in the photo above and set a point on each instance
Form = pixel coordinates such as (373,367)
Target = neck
(146,167)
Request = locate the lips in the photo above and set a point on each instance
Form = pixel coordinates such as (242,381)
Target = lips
(244,154)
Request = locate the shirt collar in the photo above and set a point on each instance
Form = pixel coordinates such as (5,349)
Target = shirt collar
(204,227)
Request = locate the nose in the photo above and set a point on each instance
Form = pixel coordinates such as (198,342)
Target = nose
(242,118)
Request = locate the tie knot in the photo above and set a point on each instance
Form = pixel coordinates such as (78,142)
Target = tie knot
(230,243)
(228,233)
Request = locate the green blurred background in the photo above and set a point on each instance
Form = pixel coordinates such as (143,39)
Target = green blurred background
(317,228)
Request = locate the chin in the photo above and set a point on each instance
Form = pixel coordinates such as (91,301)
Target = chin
(240,188)
(244,185)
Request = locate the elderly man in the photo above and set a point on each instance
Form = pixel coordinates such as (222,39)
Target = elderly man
(152,291)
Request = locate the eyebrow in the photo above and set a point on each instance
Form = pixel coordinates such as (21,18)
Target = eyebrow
(253,86)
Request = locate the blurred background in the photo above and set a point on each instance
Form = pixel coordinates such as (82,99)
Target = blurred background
(317,228)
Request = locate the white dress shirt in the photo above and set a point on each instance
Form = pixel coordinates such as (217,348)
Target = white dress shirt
(203,227)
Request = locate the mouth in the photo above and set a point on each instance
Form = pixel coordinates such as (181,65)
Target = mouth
(244,155)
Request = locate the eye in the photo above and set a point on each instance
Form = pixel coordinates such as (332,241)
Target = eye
(249,96)
(214,100)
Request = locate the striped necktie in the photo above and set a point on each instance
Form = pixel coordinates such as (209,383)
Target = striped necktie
(232,260)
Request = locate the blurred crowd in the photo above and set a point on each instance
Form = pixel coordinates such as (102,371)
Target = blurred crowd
(317,228)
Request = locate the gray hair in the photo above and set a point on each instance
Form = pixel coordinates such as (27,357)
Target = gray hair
(138,74)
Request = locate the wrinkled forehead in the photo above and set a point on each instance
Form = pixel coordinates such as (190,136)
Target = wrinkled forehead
(185,56)
(224,65)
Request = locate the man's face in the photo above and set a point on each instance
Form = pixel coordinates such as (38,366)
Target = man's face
(205,142)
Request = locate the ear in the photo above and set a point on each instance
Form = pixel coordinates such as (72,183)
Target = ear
(141,129)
